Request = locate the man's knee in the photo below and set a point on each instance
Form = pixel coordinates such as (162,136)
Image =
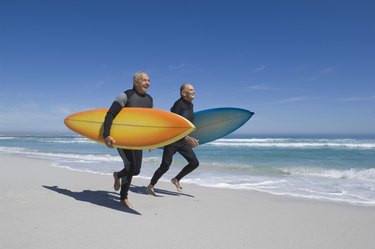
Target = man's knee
(136,172)
(164,167)
(194,163)
(136,169)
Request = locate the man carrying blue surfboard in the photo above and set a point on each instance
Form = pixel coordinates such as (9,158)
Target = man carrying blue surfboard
(184,108)
(135,97)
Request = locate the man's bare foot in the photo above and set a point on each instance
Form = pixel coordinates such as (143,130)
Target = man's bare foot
(117,183)
(126,203)
(150,190)
(177,184)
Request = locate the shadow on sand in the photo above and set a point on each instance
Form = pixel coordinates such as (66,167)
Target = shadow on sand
(143,190)
(98,197)
(110,199)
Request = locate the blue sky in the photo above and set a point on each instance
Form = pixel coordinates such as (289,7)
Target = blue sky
(304,67)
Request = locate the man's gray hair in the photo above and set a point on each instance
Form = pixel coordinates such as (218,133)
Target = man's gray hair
(182,88)
(137,75)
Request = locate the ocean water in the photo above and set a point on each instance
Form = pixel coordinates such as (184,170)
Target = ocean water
(332,169)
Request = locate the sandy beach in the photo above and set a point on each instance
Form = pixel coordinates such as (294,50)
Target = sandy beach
(43,206)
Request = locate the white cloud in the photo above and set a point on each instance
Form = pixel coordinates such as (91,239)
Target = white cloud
(261,87)
(325,71)
(296,99)
(353,99)
(179,66)
(259,69)
(321,73)
(293,99)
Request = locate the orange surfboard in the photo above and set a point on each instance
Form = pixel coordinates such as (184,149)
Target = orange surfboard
(133,128)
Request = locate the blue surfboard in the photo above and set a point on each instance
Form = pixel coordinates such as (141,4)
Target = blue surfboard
(216,123)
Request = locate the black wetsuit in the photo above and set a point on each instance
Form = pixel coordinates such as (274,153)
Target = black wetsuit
(185,109)
(132,158)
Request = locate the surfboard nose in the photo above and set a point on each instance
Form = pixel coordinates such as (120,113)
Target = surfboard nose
(215,123)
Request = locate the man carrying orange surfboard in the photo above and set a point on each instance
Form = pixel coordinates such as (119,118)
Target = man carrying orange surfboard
(184,108)
(135,97)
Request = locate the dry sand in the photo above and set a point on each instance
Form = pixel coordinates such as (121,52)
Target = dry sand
(48,207)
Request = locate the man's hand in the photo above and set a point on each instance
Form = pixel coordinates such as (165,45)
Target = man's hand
(109,141)
(192,141)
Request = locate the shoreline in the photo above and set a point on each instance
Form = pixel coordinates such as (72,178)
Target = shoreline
(164,181)
(59,208)
(340,170)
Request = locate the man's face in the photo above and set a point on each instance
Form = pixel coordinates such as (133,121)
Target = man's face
(188,93)
(142,83)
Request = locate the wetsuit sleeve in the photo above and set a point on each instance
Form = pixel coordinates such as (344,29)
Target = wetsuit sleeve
(122,99)
(115,109)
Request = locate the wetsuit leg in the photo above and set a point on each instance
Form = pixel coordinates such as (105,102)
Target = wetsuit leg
(166,162)
(132,166)
(187,152)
